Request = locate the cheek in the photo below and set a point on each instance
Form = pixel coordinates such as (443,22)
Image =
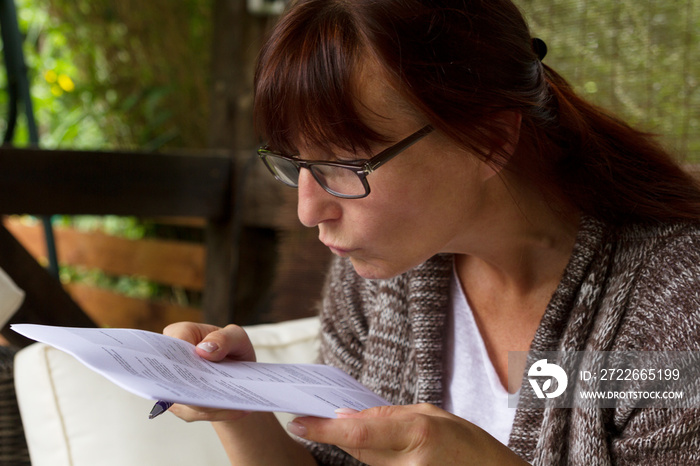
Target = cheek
(415,206)
(433,204)
(401,221)
(428,193)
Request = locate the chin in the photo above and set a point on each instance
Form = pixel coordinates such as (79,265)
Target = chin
(371,270)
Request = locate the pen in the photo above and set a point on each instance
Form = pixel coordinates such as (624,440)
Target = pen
(159,408)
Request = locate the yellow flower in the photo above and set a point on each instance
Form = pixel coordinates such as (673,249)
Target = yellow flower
(50,76)
(66,83)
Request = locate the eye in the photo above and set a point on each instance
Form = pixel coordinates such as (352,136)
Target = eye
(340,157)
(352,157)
(349,160)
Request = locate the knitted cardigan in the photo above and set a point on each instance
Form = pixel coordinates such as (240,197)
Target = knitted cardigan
(635,288)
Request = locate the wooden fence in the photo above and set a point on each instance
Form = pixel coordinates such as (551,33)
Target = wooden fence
(175,263)
(299,274)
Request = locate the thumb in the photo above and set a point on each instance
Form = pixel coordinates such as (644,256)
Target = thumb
(229,342)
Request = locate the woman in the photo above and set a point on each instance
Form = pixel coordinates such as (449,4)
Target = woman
(498,212)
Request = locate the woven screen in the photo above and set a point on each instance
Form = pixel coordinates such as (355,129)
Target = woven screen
(638,58)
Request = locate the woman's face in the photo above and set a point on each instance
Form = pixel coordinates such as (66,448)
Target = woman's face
(429,199)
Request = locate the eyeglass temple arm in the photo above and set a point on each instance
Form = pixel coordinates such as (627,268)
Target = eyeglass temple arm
(391,152)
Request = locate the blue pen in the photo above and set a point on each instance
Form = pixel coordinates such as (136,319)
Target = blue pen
(159,408)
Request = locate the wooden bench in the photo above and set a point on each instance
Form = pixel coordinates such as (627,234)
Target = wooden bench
(178,264)
(236,275)
(41,182)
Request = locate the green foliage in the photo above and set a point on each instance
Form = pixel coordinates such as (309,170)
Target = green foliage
(126,227)
(59,94)
(134,287)
(124,74)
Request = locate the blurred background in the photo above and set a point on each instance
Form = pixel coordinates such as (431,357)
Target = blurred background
(176,75)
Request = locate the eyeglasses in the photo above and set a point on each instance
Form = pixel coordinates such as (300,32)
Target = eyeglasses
(347,180)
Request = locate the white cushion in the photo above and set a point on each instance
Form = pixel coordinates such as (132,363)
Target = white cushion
(72,416)
(293,341)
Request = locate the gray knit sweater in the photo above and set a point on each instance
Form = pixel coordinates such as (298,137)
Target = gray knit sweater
(636,288)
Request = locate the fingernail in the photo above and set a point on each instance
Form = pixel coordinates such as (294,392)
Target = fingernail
(208,346)
(297,429)
(344,412)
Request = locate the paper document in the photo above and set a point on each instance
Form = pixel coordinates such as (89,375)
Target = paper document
(159,367)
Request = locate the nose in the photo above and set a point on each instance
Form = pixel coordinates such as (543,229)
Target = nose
(315,205)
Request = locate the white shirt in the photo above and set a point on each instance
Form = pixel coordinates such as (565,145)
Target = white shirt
(473,390)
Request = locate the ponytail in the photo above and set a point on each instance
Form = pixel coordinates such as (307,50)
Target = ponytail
(607,168)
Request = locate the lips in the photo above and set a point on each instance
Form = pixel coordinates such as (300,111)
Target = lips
(338,251)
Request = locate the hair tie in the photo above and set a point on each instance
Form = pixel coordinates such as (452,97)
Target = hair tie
(539,47)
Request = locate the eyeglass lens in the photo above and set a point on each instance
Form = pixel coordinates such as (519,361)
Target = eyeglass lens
(284,170)
(338,180)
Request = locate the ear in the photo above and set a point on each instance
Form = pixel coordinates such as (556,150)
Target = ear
(507,124)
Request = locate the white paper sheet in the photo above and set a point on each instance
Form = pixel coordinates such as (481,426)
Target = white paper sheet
(159,367)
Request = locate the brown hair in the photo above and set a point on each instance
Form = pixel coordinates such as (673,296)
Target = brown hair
(459,63)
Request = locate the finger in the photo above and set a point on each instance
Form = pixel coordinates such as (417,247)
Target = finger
(346,412)
(394,411)
(229,342)
(352,432)
(189,331)
(198,413)
(395,428)
(364,439)
(214,343)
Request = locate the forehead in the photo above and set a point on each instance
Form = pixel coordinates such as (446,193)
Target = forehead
(379,103)
(330,97)
(378,106)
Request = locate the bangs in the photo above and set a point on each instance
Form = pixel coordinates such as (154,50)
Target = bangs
(305,82)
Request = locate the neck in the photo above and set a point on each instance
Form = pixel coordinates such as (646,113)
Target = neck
(524,240)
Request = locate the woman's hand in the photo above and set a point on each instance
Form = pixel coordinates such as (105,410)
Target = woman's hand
(401,435)
(214,344)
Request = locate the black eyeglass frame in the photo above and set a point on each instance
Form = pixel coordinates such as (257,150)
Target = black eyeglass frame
(361,167)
